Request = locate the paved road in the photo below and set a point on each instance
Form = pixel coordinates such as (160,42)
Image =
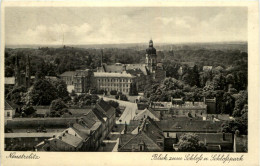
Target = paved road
(128,114)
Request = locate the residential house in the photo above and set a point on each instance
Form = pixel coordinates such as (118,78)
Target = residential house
(10,109)
(107,113)
(147,137)
(148,112)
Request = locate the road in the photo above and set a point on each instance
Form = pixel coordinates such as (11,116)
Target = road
(128,114)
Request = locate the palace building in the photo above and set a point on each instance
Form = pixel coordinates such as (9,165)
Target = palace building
(118,77)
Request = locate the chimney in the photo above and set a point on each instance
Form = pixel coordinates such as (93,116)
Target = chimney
(204,100)
(125,130)
(224,136)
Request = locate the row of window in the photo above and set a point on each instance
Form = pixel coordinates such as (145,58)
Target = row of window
(117,89)
(118,85)
(187,111)
(114,80)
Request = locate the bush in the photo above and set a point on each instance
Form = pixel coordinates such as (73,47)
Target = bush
(29,110)
(113,92)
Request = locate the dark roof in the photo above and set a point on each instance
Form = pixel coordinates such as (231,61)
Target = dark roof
(215,138)
(98,114)
(142,106)
(105,108)
(81,131)
(70,139)
(130,68)
(189,125)
(68,74)
(148,112)
(148,135)
(137,66)
(130,142)
(135,72)
(10,105)
(79,111)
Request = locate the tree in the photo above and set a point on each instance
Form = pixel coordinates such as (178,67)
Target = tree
(133,89)
(240,124)
(41,93)
(116,106)
(241,101)
(58,107)
(28,110)
(16,94)
(189,142)
(61,88)
(113,92)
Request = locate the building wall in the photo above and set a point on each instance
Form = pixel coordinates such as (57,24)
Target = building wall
(121,84)
(26,143)
(68,79)
(211,107)
(193,111)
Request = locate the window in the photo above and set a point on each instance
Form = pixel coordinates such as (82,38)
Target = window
(8,114)
(141,147)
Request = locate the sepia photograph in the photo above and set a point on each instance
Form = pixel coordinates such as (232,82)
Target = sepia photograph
(126,79)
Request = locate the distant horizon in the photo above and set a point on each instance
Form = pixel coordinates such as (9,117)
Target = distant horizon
(118,25)
(138,43)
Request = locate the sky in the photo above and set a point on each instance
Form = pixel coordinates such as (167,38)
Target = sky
(113,25)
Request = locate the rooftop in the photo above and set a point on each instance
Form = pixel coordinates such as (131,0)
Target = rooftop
(10,105)
(68,74)
(119,75)
(9,80)
(189,125)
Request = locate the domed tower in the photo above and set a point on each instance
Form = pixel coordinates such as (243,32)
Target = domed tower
(151,57)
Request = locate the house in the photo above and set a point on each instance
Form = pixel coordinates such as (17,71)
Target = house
(108,114)
(10,109)
(217,142)
(62,142)
(189,125)
(147,137)
(192,108)
(148,112)
(68,78)
(83,135)
(23,141)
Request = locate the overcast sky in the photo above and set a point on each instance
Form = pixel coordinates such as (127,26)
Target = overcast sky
(97,25)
